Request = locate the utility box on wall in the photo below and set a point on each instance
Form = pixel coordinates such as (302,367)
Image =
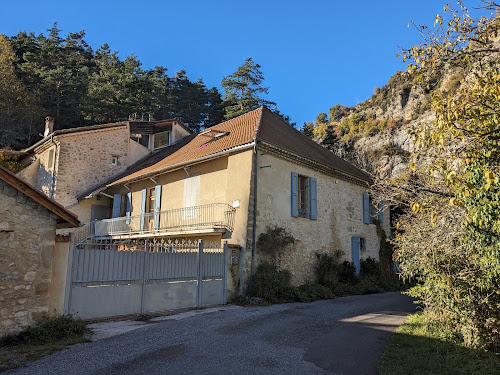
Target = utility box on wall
(234,257)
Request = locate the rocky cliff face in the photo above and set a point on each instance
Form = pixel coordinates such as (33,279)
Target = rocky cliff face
(374,135)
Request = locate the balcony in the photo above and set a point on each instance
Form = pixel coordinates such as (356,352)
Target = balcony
(204,219)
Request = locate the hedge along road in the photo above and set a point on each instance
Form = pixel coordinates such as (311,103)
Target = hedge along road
(342,336)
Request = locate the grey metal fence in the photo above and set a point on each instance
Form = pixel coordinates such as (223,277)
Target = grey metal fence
(119,277)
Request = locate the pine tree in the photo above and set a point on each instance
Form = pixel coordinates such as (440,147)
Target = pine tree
(242,90)
(18,108)
(331,140)
(308,130)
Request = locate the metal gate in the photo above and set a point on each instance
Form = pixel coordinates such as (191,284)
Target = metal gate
(109,277)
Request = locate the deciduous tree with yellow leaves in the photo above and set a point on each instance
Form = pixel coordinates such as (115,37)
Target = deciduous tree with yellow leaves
(448,237)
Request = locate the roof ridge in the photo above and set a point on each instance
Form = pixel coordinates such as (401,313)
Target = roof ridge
(259,122)
(310,150)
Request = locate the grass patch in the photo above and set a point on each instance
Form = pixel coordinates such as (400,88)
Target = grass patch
(41,340)
(417,348)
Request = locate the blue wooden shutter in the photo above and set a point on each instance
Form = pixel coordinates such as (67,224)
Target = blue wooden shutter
(295,194)
(366,208)
(129,205)
(117,202)
(381,213)
(143,208)
(157,206)
(313,204)
(355,242)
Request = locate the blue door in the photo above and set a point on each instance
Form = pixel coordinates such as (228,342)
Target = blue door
(355,242)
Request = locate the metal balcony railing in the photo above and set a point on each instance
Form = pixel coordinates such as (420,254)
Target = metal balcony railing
(204,217)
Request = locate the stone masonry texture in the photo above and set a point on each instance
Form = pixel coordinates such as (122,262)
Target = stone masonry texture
(27,238)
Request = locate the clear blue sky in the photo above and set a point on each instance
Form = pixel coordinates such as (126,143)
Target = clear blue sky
(314,54)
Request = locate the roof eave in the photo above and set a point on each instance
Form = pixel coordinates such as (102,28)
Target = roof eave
(183,164)
(67,217)
(337,171)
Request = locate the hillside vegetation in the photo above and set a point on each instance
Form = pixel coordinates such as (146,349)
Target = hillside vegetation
(374,134)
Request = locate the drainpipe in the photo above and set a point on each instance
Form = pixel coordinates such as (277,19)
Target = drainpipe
(53,182)
(254,219)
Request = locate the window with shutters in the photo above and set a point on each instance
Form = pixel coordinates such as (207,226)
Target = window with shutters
(304,196)
(362,244)
(151,200)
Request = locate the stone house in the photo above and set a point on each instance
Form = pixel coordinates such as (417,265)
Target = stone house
(233,181)
(28,223)
(69,161)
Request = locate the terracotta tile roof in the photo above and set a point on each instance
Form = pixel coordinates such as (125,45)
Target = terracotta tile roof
(66,218)
(278,133)
(236,132)
(260,124)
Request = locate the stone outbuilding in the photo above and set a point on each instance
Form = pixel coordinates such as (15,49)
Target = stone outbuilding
(28,222)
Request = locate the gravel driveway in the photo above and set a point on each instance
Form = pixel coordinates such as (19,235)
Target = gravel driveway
(342,336)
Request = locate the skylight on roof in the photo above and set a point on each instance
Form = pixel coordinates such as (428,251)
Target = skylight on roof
(214,134)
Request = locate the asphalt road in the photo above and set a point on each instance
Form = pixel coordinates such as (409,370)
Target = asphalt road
(341,336)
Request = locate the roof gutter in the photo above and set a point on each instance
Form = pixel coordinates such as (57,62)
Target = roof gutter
(173,167)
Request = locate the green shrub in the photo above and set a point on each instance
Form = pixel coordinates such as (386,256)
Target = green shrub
(312,292)
(368,285)
(275,286)
(58,328)
(272,284)
(327,269)
(347,272)
(369,268)
(273,242)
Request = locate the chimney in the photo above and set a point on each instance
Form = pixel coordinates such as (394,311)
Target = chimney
(49,126)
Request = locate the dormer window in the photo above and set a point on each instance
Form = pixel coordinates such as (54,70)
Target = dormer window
(161,139)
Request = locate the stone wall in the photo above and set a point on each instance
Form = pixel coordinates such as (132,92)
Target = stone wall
(85,160)
(27,237)
(340,216)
